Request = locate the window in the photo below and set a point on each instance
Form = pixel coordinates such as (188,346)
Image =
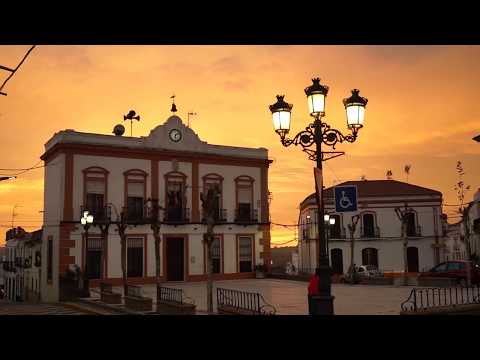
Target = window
(135,257)
(216,256)
(135,182)
(335,230)
(411,228)
(94,257)
(175,196)
(209,182)
(245,253)
(455,266)
(50,258)
(244,191)
(440,268)
(370,257)
(368,225)
(95,191)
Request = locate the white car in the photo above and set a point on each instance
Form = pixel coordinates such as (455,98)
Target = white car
(368,271)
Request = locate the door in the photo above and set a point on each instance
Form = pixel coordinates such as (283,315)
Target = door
(412,259)
(175,259)
(370,257)
(337,261)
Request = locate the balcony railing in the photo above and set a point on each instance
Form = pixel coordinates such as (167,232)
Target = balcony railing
(367,233)
(177,215)
(100,214)
(246,217)
(337,235)
(221,216)
(9,266)
(416,233)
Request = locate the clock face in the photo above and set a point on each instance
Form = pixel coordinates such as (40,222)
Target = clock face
(175,135)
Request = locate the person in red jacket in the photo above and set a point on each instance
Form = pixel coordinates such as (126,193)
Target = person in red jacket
(313,290)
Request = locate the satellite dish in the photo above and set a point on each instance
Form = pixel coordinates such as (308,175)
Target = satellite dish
(118,130)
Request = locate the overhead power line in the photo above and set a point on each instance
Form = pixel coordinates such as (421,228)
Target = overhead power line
(13,71)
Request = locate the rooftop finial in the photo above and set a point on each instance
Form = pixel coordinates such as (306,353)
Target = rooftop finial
(174,107)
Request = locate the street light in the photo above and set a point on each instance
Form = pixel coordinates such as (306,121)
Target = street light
(315,134)
(86,220)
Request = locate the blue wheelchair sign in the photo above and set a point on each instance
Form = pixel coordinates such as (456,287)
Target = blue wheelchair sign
(345,198)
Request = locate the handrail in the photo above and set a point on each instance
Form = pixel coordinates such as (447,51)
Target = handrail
(421,299)
(174,295)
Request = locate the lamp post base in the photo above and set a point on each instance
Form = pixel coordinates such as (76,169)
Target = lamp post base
(322,305)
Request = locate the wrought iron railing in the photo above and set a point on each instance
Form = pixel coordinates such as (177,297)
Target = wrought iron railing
(221,216)
(417,231)
(246,301)
(422,299)
(246,217)
(174,295)
(337,234)
(369,234)
(100,214)
(177,215)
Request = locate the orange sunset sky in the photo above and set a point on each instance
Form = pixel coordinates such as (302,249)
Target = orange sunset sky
(423,110)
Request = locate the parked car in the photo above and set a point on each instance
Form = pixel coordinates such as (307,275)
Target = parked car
(362,271)
(455,269)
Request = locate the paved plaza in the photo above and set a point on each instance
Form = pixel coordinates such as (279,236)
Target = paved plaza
(20,308)
(290,297)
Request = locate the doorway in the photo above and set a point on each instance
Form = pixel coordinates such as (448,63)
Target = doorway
(337,261)
(175,258)
(412,259)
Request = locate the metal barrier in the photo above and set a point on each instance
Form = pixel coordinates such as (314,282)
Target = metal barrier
(243,300)
(174,295)
(427,298)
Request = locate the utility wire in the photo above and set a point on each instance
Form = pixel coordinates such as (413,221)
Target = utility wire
(13,71)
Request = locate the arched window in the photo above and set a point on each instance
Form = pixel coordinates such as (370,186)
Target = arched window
(244,199)
(370,257)
(95,181)
(368,228)
(135,193)
(209,182)
(336,229)
(412,228)
(175,199)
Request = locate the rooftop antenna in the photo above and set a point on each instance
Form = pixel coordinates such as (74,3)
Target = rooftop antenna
(174,107)
(14,214)
(188,117)
(131,116)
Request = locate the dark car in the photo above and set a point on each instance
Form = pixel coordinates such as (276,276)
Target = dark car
(455,270)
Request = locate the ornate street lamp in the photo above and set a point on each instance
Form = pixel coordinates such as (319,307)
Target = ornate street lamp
(317,133)
(86,220)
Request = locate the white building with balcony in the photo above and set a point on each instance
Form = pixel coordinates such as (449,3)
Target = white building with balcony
(377,237)
(98,172)
(455,248)
(471,226)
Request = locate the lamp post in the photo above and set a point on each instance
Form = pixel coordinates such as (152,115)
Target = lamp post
(317,133)
(86,220)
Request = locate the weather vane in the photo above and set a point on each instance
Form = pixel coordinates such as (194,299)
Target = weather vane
(131,116)
(188,117)
(174,107)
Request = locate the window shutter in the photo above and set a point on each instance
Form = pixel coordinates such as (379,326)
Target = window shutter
(95,187)
(136,189)
(244,196)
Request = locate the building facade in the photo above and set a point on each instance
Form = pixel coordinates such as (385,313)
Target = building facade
(22,265)
(377,237)
(455,248)
(471,227)
(100,172)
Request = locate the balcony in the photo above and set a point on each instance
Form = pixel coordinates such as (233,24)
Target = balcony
(246,216)
(337,233)
(369,233)
(177,215)
(100,214)
(9,266)
(414,231)
(220,216)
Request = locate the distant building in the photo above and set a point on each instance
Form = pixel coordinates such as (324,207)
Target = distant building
(3,253)
(378,234)
(109,174)
(471,226)
(22,265)
(280,257)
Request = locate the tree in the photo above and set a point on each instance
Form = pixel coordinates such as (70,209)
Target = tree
(121,227)
(155,223)
(403,217)
(351,228)
(461,189)
(210,214)
(407,170)
(389,174)
(104,227)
